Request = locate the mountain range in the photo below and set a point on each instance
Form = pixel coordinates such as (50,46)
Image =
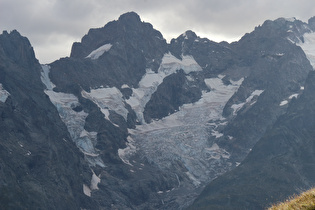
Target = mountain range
(129,121)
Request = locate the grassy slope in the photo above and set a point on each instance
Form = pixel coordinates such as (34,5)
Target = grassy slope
(304,201)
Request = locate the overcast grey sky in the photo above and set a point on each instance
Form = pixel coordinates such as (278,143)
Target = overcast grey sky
(53,25)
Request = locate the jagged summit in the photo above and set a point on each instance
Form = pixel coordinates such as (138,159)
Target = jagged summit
(12,41)
(130,17)
(311,23)
(127,29)
(189,35)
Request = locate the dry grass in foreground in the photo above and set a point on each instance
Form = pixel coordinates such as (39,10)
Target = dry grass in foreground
(303,201)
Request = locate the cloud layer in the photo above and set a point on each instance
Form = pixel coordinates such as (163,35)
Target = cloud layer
(53,25)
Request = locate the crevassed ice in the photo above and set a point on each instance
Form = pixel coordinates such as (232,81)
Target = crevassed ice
(108,99)
(151,80)
(95,54)
(73,120)
(3,94)
(185,134)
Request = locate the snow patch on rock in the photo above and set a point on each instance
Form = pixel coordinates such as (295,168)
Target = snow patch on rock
(285,102)
(3,94)
(86,190)
(95,181)
(95,54)
(249,100)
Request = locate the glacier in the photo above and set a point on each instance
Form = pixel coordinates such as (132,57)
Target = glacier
(184,136)
(73,120)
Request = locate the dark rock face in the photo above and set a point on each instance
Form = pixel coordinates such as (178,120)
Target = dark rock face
(40,166)
(170,95)
(279,69)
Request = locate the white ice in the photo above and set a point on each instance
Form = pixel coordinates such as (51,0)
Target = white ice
(108,99)
(95,54)
(45,77)
(285,102)
(74,121)
(309,47)
(151,80)
(3,94)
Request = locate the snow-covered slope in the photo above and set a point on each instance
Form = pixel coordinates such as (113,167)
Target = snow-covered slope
(107,99)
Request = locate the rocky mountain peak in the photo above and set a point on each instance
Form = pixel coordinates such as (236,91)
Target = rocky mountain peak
(17,47)
(189,35)
(311,23)
(129,17)
(128,30)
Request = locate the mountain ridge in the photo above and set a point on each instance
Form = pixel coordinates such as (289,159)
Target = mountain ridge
(151,123)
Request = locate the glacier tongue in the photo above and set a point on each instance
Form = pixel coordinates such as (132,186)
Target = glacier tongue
(74,121)
(184,135)
(3,94)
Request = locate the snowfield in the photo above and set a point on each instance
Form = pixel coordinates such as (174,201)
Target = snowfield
(108,99)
